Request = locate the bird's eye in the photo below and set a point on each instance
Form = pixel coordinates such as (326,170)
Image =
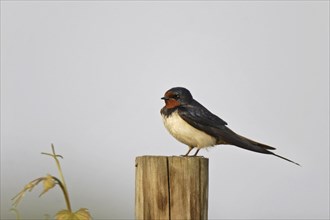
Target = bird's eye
(176,96)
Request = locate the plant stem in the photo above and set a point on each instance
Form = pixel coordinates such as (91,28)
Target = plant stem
(62,182)
(66,195)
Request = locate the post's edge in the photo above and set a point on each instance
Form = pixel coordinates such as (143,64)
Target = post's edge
(172,156)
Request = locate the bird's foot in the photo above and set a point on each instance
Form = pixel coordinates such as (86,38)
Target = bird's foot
(184,155)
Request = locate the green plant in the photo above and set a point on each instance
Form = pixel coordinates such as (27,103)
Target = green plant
(50,182)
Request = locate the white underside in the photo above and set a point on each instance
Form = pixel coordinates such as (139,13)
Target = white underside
(186,133)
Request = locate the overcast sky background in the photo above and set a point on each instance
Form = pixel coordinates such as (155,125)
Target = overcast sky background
(88,77)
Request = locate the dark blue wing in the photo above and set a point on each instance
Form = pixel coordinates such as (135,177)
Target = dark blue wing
(200,118)
(197,114)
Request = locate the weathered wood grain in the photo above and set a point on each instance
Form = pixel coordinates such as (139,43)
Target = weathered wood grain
(171,187)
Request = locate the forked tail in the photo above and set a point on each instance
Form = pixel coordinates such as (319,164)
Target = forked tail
(285,159)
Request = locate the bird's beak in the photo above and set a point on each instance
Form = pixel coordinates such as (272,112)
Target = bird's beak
(164,98)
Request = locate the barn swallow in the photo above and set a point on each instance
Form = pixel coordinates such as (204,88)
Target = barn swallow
(192,124)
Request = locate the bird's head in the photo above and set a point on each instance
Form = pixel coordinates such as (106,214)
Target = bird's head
(177,96)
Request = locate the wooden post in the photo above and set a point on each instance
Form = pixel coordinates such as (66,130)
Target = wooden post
(171,187)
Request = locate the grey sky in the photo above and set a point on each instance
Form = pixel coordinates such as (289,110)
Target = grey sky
(88,77)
